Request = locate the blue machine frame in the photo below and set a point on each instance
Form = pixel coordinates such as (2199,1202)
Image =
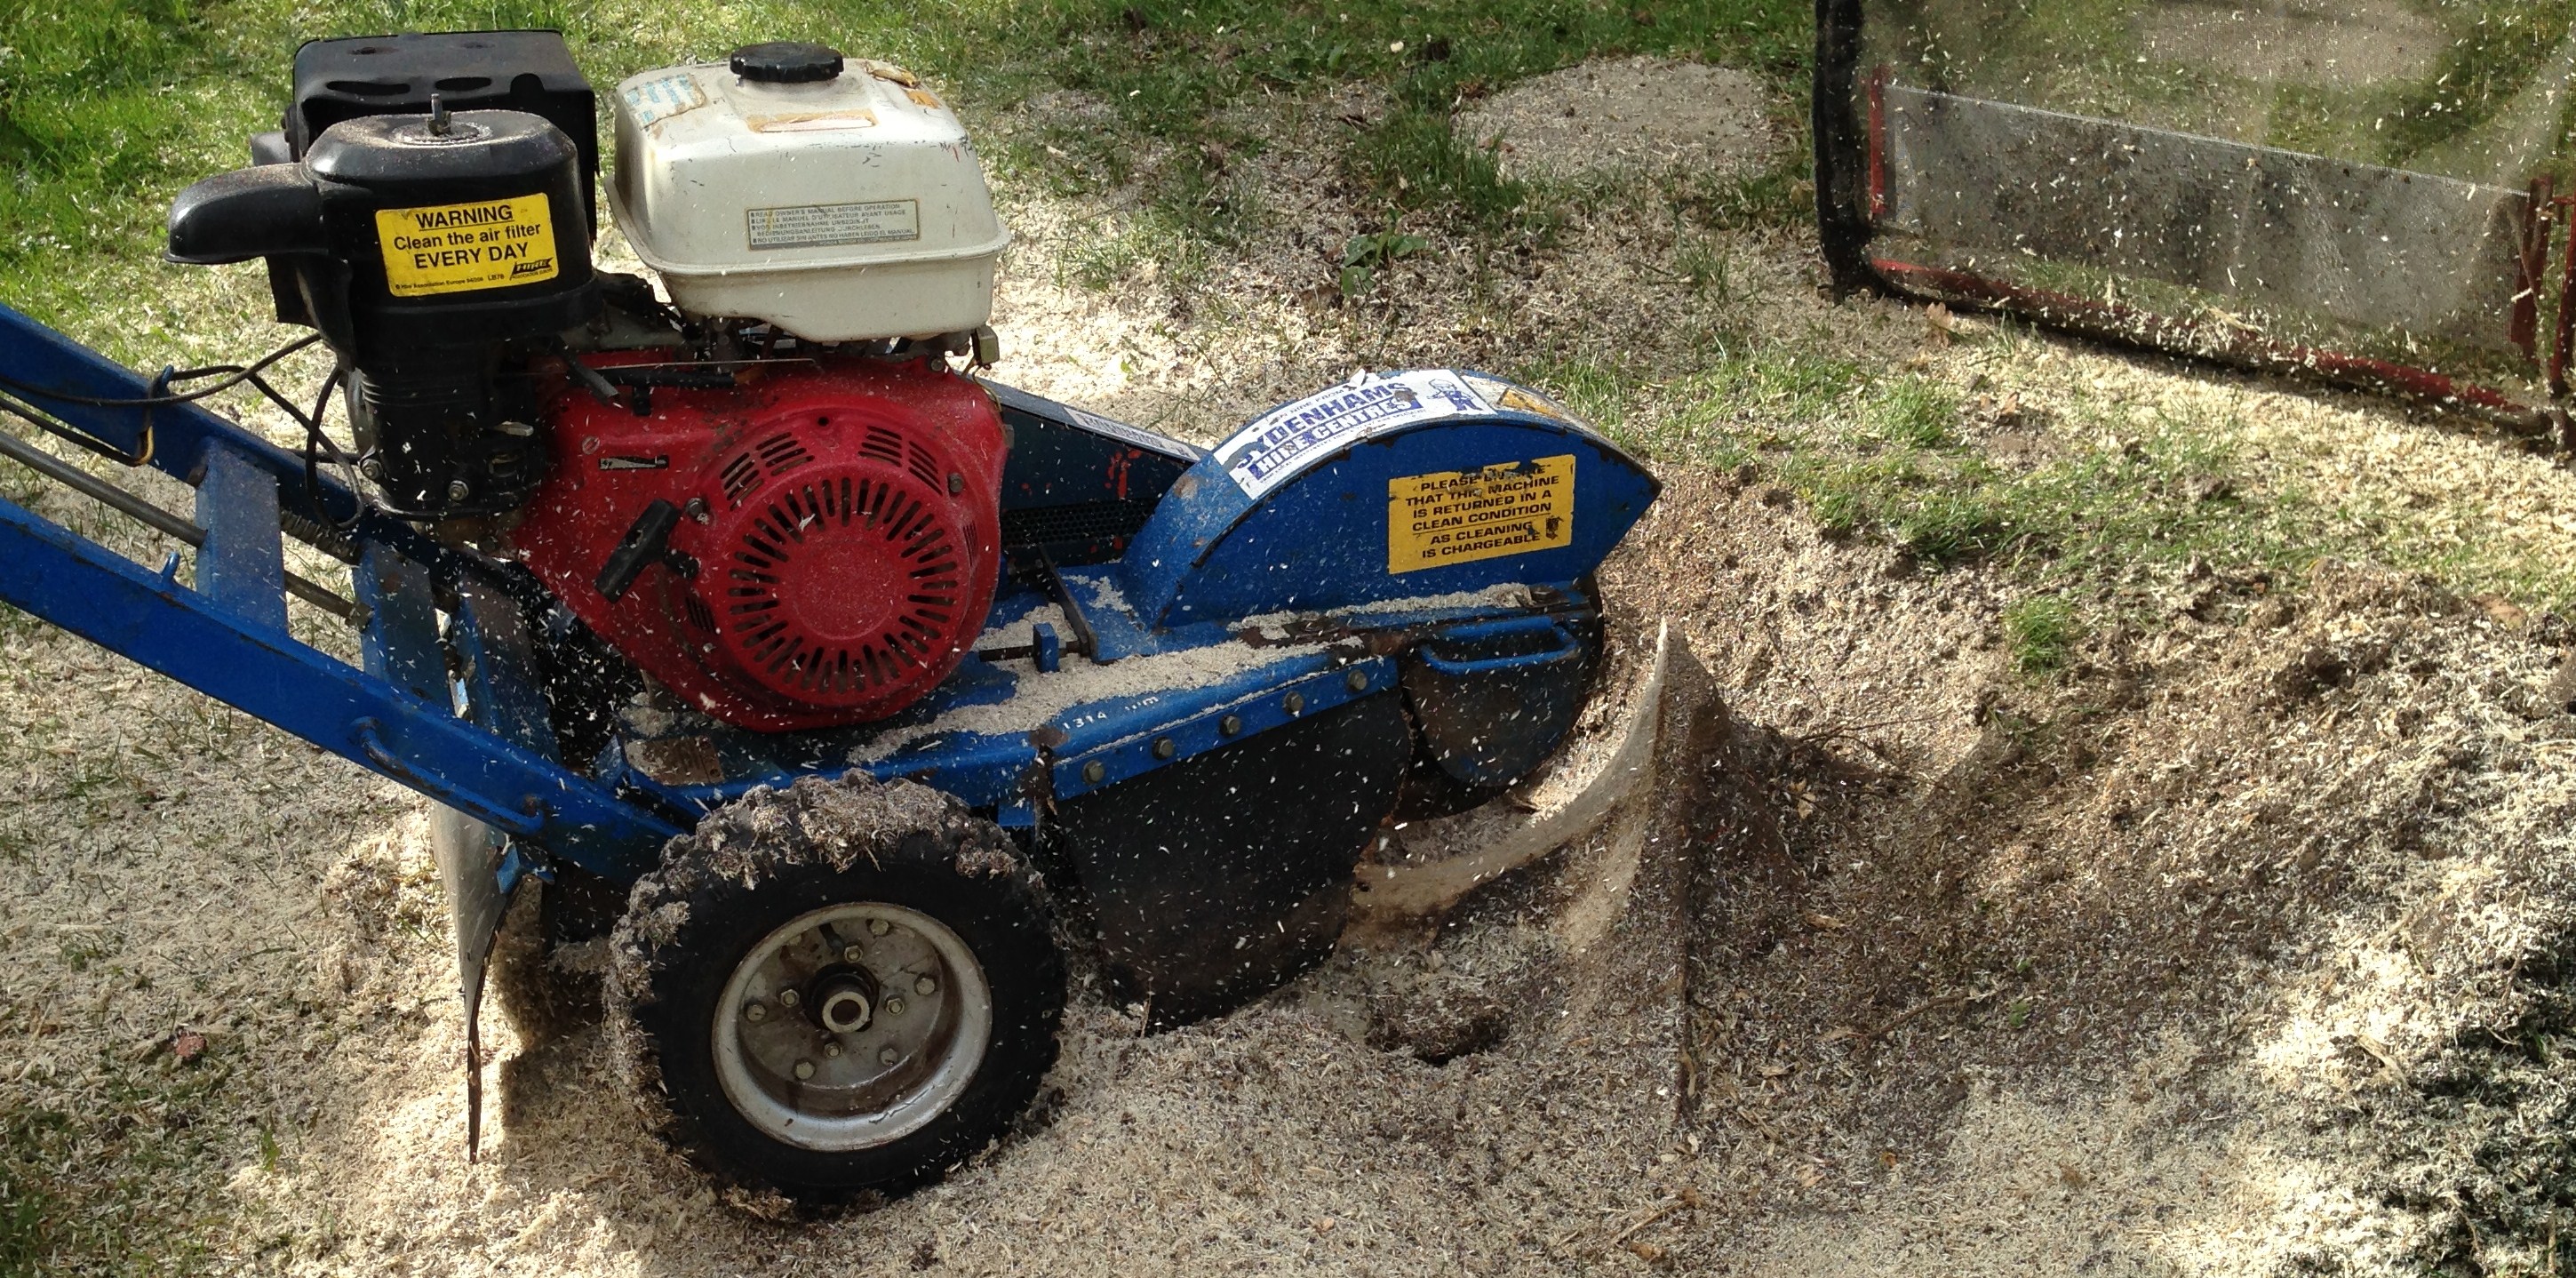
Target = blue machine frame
(1302,544)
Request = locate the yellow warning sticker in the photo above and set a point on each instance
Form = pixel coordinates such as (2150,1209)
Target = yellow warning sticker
(1455,517)
(1523,399)
(455,248)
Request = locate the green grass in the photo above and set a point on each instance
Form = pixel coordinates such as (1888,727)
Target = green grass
(2095,532)
(108,109)
(1781,195)
(2498,49)
(2100,511)
(2040,631)
(1368,254)
(124,1182)
(1413,163)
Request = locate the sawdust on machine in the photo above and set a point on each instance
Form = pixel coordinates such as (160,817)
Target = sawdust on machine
(1276,626)
(1041,697)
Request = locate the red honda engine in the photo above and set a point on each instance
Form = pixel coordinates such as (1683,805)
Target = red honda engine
(817,545)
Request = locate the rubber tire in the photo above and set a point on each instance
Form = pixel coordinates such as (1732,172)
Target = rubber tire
(774,855)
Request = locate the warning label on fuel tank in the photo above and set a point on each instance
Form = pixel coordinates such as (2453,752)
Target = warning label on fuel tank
(455,248)
(1455,517)
(819,225)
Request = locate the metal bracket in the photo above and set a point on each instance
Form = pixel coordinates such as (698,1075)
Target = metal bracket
(1085,641)
(241,565)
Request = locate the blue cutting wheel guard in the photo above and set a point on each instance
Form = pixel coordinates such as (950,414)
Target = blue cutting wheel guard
(1398,486)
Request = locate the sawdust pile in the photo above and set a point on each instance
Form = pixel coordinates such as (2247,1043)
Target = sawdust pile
(2240,948)
(1640,113)
(2203,961)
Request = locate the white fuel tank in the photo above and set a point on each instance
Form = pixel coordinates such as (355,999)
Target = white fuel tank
(838,202)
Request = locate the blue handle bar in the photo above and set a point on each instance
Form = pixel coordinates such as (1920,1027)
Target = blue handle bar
(1566,646)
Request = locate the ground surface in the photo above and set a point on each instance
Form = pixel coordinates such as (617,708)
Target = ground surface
(2131,836)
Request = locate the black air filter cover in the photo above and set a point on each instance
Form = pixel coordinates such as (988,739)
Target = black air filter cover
(458,234)
(530,71)
(437,254)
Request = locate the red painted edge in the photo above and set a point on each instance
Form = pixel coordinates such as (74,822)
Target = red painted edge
(2163,331)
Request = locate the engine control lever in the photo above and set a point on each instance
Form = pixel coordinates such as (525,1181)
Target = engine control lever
(647,541)
(1084,641)
(599,387)
(639,383)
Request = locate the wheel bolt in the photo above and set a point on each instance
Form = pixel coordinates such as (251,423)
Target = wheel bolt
(832,1050)
(787,998)
(894,1007)
(804,1070)
(879,927)
(852,954)
(755,1011)
(925,987)
(888,1056)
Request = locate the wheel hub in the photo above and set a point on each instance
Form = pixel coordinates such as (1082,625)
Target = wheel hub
(851,1026)
(845,1000)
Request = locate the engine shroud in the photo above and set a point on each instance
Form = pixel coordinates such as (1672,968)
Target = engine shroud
(838,545)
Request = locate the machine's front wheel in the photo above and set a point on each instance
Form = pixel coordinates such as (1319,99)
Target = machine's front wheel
(837,989)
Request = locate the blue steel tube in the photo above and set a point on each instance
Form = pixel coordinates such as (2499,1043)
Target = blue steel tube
(110,600)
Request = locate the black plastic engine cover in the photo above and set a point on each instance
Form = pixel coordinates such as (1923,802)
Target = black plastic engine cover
(424,248)
(528,71)
(1217,878)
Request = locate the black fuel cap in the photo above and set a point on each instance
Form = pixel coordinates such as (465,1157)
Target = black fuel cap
(787,62)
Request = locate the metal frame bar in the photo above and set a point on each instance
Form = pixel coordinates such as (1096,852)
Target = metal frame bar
(397,715)
(110,600)
(157,519)
(173,438)
(2564,325)
(2172,335)
(2531,266)
(241,564)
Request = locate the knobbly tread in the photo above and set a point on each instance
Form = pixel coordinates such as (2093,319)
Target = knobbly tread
(813,823)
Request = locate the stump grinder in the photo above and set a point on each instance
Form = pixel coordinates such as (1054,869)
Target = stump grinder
(848,693)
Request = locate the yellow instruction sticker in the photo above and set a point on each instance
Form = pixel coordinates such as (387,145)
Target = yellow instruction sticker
(455,248)
(1455,517)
